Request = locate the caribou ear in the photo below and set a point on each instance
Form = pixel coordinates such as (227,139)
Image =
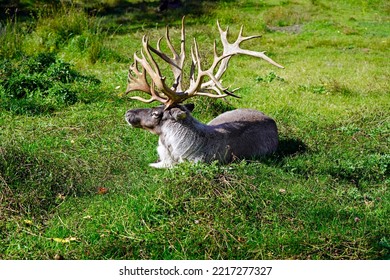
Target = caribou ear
(178,114)
(190,107)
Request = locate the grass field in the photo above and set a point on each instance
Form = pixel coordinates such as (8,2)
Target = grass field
(74,177)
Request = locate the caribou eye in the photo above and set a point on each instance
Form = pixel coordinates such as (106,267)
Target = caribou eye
(156,114)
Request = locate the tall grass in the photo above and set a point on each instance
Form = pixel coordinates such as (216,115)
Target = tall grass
(12,35)
(53,28)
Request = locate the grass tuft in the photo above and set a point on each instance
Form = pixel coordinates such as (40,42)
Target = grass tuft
(41,84)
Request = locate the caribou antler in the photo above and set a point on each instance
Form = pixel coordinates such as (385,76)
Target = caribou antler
(175,94)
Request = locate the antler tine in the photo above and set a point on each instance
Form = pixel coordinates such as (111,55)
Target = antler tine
(262,55)
(234,49)
(155,72)
(176,57)
(154,96)
(241,38)
(197,86)
(177,61)
(138,80)
(193,67)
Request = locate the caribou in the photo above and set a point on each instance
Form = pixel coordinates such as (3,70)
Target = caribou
(236,134)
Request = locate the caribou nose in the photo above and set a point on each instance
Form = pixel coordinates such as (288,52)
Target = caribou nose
(130,117)
(128,114)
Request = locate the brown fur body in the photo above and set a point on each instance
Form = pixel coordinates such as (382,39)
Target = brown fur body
(241,133)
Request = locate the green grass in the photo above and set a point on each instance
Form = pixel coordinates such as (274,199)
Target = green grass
(74,177)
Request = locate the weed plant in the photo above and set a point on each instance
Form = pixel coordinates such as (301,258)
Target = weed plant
(43,84)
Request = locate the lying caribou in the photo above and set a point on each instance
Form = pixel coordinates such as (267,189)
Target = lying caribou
(241,133)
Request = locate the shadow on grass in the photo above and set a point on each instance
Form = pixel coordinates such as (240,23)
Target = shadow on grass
(290,147)
(122,12)
(33,183)
(124,16)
